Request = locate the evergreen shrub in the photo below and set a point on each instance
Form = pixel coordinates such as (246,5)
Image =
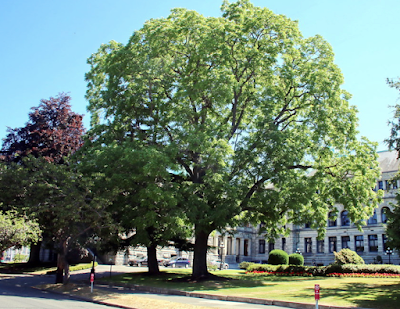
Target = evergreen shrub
(362,268)
(278,257)
(296,259)
(245,265)
(347,256)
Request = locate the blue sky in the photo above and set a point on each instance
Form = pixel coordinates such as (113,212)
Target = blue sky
(45,44)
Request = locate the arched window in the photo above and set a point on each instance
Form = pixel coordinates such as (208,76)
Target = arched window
(344,219)
(373,219)
(384,212)
(331,219)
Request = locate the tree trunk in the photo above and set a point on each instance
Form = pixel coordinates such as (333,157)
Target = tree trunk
(60,268)
(34,255)
(200,255)
(62,272)
(152,260)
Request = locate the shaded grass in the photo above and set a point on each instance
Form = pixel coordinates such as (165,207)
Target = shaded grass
(360,292)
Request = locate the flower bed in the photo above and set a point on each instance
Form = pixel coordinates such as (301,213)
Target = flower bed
(329,270)
(279,273)
(308,274)
(364,275)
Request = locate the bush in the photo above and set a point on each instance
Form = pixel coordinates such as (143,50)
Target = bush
(362,268)
(261,267)
(278,257)
(212,267)
(325,270)
(19,258)
(296,259)
(347,256)
(245,265)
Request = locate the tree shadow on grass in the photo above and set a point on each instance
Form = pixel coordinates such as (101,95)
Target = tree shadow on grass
(185,282)
(365,295)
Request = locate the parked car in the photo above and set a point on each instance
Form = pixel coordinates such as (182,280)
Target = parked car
(178,262)
(218,264)
(138,262)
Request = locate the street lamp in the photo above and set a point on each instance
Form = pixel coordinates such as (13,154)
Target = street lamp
(221,247)
(389,252)
(298,251)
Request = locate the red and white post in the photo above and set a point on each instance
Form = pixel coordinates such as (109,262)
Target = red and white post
(316,293)
(91,282)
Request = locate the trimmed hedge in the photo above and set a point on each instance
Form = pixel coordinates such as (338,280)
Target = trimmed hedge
(325,270)
(278,257)
(362,268)
(245,265)
(296,259)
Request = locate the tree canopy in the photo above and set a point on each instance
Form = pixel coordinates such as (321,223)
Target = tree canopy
(394,140)
(142,197)
(38,179)
(17,230)
(246,111)
(52,132)
(393,225)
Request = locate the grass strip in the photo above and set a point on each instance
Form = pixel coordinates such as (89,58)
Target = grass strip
(359,292)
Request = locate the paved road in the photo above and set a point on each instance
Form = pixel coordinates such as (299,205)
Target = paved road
(16,292)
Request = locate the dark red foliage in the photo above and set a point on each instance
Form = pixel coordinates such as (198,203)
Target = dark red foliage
(52,132)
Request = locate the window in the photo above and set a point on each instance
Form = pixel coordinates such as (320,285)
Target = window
(380,185)
(246,247)
(384,212)
(384,241)
(283,244)
(345,242)
(345,221)
(261,246)
(320,246)
(373,219)
(332,244)
(359,243)
(391,184)
(271,246)
(308,245)
(331,219)
(373,243)
(307,225)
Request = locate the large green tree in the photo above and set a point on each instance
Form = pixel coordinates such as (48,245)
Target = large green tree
(250,115)
(394,140)
(393,225)
(53,132)
(17,230)
(142,198)
(63,202)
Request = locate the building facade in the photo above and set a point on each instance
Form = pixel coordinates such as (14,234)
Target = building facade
(370,244)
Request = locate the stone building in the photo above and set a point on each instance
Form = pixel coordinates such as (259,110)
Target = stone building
(247,245)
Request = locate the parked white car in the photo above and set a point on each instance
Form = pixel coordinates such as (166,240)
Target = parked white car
(218,264)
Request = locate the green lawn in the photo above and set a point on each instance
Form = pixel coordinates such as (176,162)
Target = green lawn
(360,292)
